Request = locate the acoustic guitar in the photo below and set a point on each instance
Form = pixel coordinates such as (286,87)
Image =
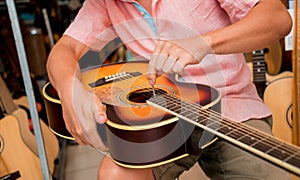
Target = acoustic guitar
(10,107)
(146,129)
(15,153)
(51,143)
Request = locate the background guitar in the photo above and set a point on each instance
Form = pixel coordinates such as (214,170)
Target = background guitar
(15,153)
(9,108)
(50,140)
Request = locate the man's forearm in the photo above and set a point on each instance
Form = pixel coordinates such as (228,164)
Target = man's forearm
(266,22)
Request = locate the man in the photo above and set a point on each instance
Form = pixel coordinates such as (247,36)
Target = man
(201,38)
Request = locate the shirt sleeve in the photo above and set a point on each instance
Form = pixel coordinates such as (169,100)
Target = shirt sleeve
(92,25)
(237,9)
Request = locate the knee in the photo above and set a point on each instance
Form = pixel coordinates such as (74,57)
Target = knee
(108,170)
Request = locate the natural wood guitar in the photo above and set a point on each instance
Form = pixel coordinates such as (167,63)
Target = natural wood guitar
(147,130)
(15,153)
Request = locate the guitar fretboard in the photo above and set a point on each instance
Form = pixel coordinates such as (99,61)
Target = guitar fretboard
(264,145)
(259,66)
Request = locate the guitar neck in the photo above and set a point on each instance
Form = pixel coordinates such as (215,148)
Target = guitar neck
(264,145)
(259,66)
(259,71)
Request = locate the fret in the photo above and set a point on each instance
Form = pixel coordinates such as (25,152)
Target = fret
(295,162)
(278,153)
(259,63)
(294,159)
(235,134)
(189,115)
(295,155)
(247,139)
(261,145)
(260,79)
(259,69)
(171,107)
(194,117)
(213,124)
(225,129)
(258,57)
(277,145)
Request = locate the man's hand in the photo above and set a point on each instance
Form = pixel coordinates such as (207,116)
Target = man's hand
(81,111)
(173,56)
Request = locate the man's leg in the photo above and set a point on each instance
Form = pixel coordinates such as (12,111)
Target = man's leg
(222,160)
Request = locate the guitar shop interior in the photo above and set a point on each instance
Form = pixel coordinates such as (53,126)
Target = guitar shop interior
(25,139)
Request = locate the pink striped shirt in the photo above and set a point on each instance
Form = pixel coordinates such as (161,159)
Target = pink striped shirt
(100,21)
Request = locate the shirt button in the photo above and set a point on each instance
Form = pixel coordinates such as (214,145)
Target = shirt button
(142,13)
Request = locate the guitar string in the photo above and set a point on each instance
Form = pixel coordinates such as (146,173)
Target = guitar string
(218,117)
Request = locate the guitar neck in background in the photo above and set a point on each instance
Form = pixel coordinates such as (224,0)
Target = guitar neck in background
(259,71)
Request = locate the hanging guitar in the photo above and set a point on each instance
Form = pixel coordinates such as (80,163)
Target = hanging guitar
(147,130)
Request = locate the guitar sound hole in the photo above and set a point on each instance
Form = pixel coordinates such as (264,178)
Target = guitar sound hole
(142,95)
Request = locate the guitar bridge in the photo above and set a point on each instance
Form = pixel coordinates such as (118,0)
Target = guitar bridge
(114,77)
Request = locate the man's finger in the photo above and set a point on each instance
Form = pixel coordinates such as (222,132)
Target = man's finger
(152,71)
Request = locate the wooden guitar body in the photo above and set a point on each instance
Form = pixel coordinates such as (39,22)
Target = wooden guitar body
(15,153)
